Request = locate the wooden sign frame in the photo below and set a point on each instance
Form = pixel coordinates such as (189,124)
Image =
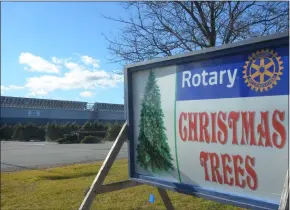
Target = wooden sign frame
(97,186)
(284,201)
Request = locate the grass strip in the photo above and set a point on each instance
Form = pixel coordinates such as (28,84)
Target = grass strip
(63,188)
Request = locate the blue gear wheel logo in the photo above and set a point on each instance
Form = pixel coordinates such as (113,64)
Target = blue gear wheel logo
(262,70)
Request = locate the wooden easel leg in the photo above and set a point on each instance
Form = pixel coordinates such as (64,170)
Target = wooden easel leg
(97,186)
(165,198)
(284,201)
(107,164)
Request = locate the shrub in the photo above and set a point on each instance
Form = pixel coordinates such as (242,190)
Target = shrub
(91,140)
(67,128)
(106,126)
(68,139)
(93,126)
(100,134)
(34,132)
(87,127)
(113,132)
(100,126)
(28,132)
(61,141)
(74,126)
(39,133)
(71,138)
(19,134)
(53,132)
(6,132)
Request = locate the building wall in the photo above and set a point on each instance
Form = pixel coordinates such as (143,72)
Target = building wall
(111,115)
(40,121)
(12,115)
(46,113)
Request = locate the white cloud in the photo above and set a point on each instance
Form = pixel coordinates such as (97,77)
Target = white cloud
(77,76)
(90,61)
(38,93)
(14,87)
(37,64)
(10,87)
(73,66)
(87,94)
(59,61)
(56,60)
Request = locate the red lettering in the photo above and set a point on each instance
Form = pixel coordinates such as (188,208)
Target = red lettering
(238,170)
(264,131)
(227,169)
(192,126)
(213,128)
(215,164)
(223,127)
(182,133)
(204,135)
(248,128)
(203,156)
(279,127)
(252,179)
(240,174)
(233,118)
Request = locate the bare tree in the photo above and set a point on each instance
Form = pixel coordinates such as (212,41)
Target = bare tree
(158,29)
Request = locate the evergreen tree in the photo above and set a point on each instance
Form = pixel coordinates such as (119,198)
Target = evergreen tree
(19,133)
(75,126)
(53,132)
(86,126)
(6,131)
(153,151)
(113,131)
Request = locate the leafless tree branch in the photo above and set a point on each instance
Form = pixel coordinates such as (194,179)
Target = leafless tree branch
(158,29)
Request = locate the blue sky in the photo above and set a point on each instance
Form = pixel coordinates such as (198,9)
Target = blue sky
(56,50)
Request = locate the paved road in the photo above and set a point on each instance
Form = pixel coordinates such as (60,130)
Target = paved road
(31,155)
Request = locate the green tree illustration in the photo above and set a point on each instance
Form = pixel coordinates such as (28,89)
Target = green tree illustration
(153,151)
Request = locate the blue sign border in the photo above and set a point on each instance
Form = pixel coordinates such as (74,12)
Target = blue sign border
(231,49)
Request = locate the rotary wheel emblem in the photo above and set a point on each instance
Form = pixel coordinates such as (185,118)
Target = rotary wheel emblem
(262,70)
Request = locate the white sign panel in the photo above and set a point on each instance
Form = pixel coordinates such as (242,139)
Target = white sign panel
(214,128)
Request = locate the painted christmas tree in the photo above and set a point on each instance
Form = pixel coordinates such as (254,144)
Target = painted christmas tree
(153,151)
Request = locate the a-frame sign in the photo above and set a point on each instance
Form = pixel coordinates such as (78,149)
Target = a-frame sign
(212,123)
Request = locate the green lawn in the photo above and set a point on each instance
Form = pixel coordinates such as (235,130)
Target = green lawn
(63,188)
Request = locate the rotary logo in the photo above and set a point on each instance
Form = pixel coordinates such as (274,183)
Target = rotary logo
(263,70)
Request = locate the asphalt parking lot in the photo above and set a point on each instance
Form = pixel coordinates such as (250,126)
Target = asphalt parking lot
(32,155)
